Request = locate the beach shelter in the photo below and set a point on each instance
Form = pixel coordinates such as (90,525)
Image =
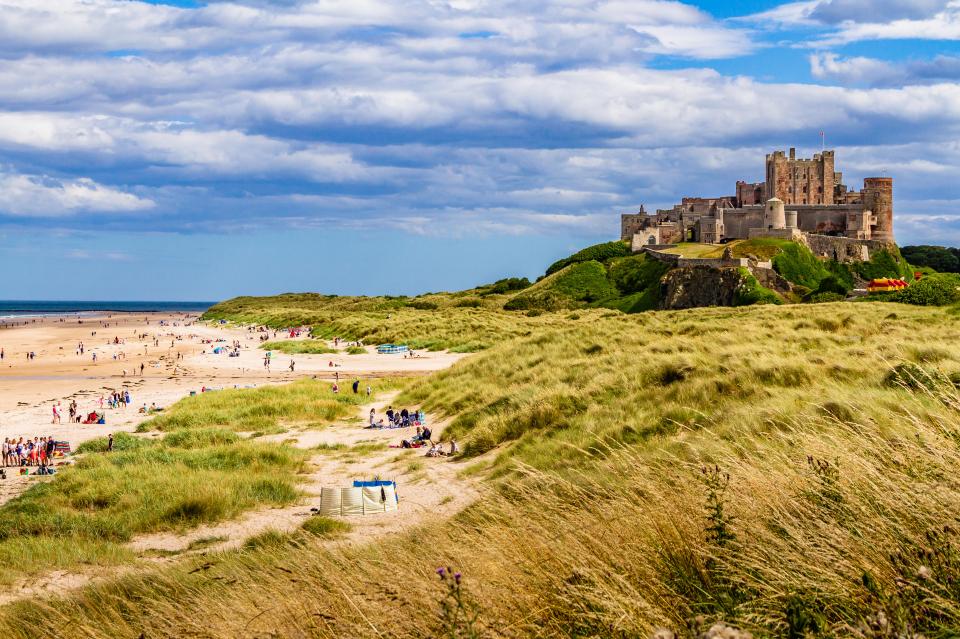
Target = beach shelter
(392,349)
(363,498)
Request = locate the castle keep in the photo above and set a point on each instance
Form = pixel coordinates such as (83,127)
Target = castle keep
(798,197)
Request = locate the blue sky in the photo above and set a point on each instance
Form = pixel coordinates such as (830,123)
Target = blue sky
(200,150)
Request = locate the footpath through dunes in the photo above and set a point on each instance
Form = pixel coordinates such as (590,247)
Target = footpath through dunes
(428,487)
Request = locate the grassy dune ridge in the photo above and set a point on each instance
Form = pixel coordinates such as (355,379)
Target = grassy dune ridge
(764,466)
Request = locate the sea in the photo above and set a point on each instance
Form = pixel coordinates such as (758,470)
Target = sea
(10,309)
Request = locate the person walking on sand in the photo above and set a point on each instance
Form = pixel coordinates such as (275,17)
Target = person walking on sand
(56,413)
(141,369)
(291,365)
(356,386)
(368,390)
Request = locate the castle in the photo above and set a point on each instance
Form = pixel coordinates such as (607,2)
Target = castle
(800,197)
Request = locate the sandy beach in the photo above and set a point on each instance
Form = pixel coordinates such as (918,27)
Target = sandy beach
(29,388)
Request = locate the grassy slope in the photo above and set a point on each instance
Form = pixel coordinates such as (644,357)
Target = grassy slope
(836,479)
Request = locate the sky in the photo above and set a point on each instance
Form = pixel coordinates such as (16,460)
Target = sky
(198,150)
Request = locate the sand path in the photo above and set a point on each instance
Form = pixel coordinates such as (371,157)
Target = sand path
(428,487)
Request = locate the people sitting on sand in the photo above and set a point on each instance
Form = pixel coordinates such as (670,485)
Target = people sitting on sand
(454,448)
(390,414)
(374,422)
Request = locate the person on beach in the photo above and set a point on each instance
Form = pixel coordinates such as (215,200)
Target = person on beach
(56,413)
(356,386)
(109,442)
(291,365)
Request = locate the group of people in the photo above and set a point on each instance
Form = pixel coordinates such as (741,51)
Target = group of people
(20,453)
(117,399)
(398,419)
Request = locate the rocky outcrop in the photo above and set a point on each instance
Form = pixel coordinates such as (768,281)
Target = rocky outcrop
(697,286)
(769,278)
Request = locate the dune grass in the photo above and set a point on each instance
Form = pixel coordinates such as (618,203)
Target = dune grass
(88,511)
(758,466)
(268,409)
(200,471)
(299,346)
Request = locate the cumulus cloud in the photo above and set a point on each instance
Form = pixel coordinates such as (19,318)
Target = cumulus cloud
(44,196)
(428,116)
(836,11)
(861,70)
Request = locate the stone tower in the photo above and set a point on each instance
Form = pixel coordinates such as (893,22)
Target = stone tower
(878,198)
(801,181)
(774,216)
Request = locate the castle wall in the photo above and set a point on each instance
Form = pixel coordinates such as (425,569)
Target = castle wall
(843,249)
(823,219)
(750,193)
(738,222)
(633,223)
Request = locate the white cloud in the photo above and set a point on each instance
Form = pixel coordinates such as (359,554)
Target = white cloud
(43,196)
(856,70)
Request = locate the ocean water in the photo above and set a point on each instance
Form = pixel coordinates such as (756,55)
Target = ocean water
(35,308)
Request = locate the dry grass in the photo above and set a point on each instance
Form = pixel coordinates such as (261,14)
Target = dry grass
(831,495)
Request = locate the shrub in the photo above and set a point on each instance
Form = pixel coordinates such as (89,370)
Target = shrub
(423,305)
(833,284)
(598,252)
(820,298)
(933,290)
(470,302)
(356,350)
(883,263)
(635,274)
(940,258)
(507,285)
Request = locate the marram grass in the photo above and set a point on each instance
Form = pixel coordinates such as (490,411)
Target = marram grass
(758,466)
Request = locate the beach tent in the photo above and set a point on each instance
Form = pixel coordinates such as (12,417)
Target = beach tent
(367,498)
(392,349)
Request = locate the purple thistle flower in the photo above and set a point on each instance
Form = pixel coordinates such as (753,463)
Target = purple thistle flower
(457,577)
(442,572)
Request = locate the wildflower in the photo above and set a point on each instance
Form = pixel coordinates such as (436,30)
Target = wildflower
(442,572)
(457,577)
